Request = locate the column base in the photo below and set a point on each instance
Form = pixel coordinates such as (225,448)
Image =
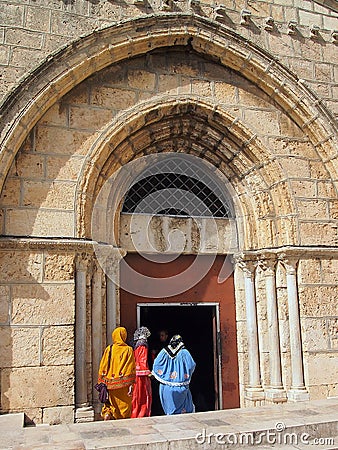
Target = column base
(84,414)
(254,396)
(276,395)
(298,395)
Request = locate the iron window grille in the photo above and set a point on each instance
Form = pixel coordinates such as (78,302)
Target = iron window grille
(168,192)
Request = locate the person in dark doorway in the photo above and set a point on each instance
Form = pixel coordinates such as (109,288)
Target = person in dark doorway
(117,370)
(173,368)
(163,341)
(142,397)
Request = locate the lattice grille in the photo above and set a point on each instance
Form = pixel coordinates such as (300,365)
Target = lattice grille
(175,190)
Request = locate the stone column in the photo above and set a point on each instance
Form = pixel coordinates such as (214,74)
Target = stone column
(254,391)
(111,307)
(109,258)
(96,330)
(276,392)
(297,391)
(84,412)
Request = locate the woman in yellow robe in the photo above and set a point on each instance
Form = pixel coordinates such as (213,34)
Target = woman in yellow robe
(117,370)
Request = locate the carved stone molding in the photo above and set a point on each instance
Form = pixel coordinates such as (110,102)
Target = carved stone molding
(75,245)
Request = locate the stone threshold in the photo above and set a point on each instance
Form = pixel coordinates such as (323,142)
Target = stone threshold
(303,425)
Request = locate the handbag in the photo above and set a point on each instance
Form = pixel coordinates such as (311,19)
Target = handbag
(102,387)
(103,391)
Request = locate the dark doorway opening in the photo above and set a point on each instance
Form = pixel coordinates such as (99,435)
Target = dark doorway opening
(196,324)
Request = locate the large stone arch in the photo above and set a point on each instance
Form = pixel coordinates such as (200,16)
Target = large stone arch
(68,67)
(216,136)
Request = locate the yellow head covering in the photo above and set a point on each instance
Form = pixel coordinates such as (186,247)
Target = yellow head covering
(120,370)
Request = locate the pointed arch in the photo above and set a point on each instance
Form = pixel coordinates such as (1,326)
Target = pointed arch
(67,68)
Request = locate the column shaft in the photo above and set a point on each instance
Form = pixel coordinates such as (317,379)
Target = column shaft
(252,330)
(111,308)
(295,338)
(80,336)
(96,325)
(272,315)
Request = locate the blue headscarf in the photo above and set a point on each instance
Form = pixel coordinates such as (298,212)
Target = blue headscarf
(174,365)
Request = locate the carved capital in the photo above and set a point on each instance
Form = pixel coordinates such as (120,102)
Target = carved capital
(108,258)
(82,262)
(289,262)
(247,266)
(267,264)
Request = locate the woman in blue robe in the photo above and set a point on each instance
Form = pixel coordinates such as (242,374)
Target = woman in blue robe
(173,368)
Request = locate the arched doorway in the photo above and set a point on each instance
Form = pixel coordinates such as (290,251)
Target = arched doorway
(172,277)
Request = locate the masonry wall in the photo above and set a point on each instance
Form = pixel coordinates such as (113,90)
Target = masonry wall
(37,289)
(32,31)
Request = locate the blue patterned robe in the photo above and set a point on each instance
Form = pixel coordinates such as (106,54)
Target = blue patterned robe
(174,373)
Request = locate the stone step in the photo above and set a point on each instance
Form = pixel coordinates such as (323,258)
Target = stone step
(305,425)
(9,421)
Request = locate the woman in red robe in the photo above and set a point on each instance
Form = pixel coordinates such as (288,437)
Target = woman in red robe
(142,396)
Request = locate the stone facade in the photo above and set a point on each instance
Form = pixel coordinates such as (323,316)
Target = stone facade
(87,87)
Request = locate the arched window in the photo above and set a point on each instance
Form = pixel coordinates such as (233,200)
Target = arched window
(178,188)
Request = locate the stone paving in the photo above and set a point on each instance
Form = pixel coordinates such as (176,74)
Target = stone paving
(306,425)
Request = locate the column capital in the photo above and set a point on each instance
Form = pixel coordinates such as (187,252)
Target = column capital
(248,266)
(108,257)
(267,264)
(82,262)
(289,262)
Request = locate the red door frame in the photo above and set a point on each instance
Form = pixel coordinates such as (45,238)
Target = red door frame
(208,289)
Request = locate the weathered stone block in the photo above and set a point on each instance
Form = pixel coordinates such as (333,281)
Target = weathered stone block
(312,233)
(314,334)
(24,38)
(57,345)
(263,122)
(309,271)
(54,140)
(313,209)
(168,83)
(323,72)
(58,414)
(115,98)
(58,194)
(88,118)
(304,188)
(289,128)
(4,55)
(63,167)
(11,193)
(318,301)
(329,271)
(326,189)
(11,14)
(32,387)
(58,267)
(142,80)
(27,222)
(328,368)
(37,18)
(19,347)
(34,304)
(332,325)
(4,304)
(20,266)
(28,165)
